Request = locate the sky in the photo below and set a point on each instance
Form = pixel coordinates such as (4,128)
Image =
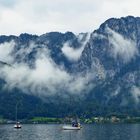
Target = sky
(41,16)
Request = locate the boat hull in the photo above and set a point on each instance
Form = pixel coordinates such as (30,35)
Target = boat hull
(70,128)
(17,126)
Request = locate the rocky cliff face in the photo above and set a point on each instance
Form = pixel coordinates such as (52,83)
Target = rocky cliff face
(102,67)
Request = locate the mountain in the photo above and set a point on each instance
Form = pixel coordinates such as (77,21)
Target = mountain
(88,74)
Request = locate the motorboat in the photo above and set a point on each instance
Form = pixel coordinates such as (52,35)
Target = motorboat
(69,127)
(74,126)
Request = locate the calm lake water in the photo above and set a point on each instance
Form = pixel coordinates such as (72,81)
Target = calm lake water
(88,132)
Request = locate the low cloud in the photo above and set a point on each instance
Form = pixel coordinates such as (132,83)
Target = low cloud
(136,93)
(121,47)
(73,54)
(6,50)
(45,78)
(45,75)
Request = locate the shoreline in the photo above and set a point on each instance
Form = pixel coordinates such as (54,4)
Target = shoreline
(92,120)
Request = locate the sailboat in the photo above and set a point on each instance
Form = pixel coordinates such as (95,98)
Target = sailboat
(17,125)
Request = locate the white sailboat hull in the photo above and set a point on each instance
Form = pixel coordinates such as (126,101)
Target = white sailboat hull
(17,126)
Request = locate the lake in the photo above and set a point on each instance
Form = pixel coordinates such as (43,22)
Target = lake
(88,132)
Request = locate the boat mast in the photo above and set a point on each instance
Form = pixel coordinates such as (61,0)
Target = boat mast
(16,111)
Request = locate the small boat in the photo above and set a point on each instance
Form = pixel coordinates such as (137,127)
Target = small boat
(69,127)
(17,125)
(74,126)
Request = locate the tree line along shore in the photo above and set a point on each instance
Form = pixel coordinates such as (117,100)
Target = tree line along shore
(48,120)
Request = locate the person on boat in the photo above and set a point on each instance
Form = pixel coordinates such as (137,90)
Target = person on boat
(74,124)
